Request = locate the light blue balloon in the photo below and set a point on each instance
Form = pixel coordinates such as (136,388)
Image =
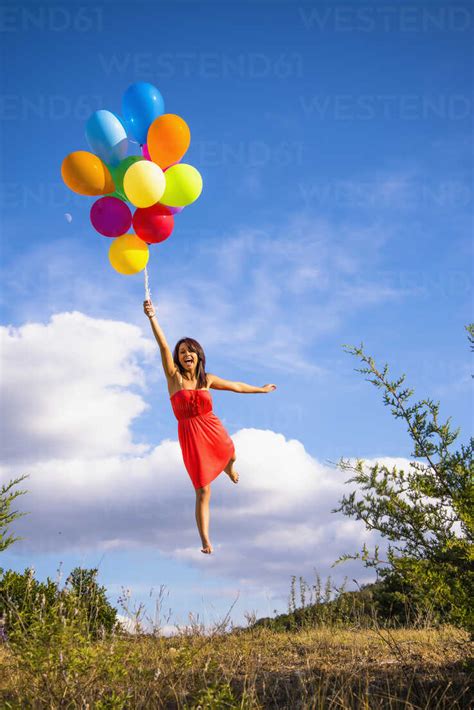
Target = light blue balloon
(141,104)
(107,136)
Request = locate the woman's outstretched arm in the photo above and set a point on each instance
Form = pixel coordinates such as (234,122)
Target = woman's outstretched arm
(218,383)
(166,357)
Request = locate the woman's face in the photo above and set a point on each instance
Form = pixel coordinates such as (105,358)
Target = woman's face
(187,358)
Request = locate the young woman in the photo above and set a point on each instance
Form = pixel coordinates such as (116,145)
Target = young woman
(206,446)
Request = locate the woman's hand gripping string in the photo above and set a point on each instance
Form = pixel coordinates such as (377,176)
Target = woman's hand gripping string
(149,308)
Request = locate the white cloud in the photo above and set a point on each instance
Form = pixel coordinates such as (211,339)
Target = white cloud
(276,522)
(130,624)
(70,408)
(66,386)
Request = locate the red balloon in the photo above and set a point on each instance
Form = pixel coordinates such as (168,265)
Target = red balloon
(153,224)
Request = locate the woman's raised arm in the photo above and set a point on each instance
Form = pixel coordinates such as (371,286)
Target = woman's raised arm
(166,357)
(218,383)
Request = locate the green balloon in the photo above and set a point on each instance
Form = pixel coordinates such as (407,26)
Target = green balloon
(118,172)
(183,185)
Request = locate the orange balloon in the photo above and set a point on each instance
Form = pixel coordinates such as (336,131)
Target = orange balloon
(168,139)
(85,173)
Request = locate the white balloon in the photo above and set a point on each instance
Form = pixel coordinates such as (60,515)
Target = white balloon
(68,217)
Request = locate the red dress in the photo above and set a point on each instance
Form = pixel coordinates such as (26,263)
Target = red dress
(205,444)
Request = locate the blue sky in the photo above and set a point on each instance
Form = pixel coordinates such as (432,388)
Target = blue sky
(335,144)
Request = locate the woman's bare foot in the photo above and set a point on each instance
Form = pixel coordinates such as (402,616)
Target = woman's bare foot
(233,475)
(207,548)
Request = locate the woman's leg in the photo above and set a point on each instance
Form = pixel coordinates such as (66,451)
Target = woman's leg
(203,496)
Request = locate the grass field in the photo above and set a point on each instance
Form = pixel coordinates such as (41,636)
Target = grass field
(247,668)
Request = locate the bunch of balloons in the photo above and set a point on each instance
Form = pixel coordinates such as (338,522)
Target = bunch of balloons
(156,183)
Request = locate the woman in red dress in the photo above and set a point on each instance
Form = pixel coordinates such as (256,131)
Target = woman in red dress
(205,444)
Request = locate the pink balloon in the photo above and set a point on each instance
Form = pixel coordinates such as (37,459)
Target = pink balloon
(169,166)
(111,217)
(145,152)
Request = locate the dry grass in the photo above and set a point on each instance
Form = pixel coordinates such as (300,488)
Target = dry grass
(251,668)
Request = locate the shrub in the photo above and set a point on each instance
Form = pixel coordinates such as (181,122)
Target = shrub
(425,512)
(30,607)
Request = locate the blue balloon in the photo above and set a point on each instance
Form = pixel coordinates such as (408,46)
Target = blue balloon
(107,136)
(141,104)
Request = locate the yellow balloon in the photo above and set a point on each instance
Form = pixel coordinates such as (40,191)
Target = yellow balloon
(183,185)
(144,183)
(128,254)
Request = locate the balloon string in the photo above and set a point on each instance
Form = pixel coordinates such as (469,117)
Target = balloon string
(147,288)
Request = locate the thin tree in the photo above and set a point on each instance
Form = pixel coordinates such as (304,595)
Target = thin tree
(7,516)
(424,510)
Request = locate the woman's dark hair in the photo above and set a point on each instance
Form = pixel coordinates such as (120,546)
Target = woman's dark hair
(195,347)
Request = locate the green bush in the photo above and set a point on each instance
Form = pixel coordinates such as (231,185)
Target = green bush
(7,516)
(424,511)
(101,616)
(416,592)
(30,607)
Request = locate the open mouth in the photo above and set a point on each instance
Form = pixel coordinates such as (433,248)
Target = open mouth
(188,360)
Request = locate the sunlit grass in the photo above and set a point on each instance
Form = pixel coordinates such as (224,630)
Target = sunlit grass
(326,667)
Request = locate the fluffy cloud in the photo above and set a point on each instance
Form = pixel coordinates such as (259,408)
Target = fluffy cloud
(69,382)
(276,522)
(67,388)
